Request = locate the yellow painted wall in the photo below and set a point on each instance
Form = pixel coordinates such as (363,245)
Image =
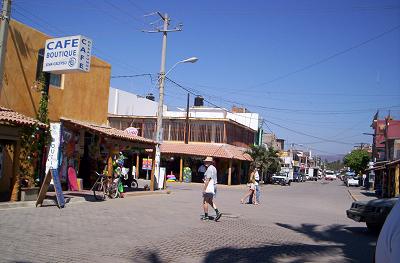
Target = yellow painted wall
(84,95)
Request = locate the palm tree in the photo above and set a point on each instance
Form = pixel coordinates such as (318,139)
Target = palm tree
(266,160)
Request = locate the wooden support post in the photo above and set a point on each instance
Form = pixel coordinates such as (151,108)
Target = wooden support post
(240,173)
(230,172)
(225,139)
(396,180)
(181,169)
(15,172)
(137,166)
(110,166)
(153,157)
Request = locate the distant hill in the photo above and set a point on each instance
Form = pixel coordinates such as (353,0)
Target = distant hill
(332,158)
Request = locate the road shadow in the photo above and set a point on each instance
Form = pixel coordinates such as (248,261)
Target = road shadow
(268,253)
(369,194)
(355,243)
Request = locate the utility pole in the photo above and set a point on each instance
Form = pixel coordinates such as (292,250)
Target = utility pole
(161,79)
(187,121)
(5,20)
(386,138)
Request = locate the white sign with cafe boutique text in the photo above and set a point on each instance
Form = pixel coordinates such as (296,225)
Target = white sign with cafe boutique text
(67,54)
(53,155)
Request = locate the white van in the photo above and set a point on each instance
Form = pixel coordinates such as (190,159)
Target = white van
(330,175)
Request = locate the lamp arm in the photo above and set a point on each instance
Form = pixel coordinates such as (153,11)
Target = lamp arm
(172,68)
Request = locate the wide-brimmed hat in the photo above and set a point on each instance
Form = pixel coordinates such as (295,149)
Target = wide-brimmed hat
(209,159)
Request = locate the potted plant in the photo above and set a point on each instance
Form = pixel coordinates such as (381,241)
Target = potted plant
(28,163)
(33,144)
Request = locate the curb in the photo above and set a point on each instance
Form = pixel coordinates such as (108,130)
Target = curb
(352,196)
(144,193)
(50,202)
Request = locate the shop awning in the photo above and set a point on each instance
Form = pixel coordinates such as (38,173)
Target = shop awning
(108,131)
(216,150)
(395,162)
(376,168)
(10,117)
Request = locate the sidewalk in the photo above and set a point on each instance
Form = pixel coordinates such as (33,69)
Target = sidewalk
(74,197)
(361,194)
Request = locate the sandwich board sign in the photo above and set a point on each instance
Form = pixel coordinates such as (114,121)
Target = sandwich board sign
(52,174)
(67,54)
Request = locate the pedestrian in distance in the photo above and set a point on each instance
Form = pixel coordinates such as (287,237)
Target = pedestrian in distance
(202,169)
(252,188)
(210,189)
(257,189)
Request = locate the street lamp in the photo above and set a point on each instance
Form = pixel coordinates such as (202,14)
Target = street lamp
(159,132)
(188,60)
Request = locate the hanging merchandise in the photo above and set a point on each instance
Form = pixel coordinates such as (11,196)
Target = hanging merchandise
(63,168)
(118,172)
(94,147)
(72,180)
(187,174)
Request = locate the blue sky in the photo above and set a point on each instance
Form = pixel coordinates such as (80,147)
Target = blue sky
(316,71)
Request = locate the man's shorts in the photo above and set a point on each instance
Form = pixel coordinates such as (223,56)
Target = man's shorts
(210,195)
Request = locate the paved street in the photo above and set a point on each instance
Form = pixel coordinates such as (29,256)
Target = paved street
(305,222)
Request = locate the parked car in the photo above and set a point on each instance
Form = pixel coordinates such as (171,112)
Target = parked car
(282,178)
(373,212)
(353,181)
(330,175)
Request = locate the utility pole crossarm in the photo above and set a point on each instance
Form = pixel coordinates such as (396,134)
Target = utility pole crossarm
(164,31)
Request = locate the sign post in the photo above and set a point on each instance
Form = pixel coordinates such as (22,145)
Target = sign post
(52,174)
(147,165)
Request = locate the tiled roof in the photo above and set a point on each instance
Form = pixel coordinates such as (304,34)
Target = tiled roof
(10,117)
(216,150)
(109,131)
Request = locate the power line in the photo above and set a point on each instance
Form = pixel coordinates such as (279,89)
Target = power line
(281,126)
(138,7)
(123,11)
(298,111)
(308,135)
(209,102)
(323,60)
(42,23)
(288,93)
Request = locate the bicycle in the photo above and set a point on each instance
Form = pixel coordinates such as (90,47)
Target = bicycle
(105,186)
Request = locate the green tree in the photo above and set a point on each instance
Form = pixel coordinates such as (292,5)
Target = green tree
(267,160)
(335,165)
(357,160)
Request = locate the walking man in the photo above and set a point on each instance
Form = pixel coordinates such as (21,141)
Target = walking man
(210,176)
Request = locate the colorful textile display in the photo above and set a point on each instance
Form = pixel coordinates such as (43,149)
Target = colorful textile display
(171,177)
